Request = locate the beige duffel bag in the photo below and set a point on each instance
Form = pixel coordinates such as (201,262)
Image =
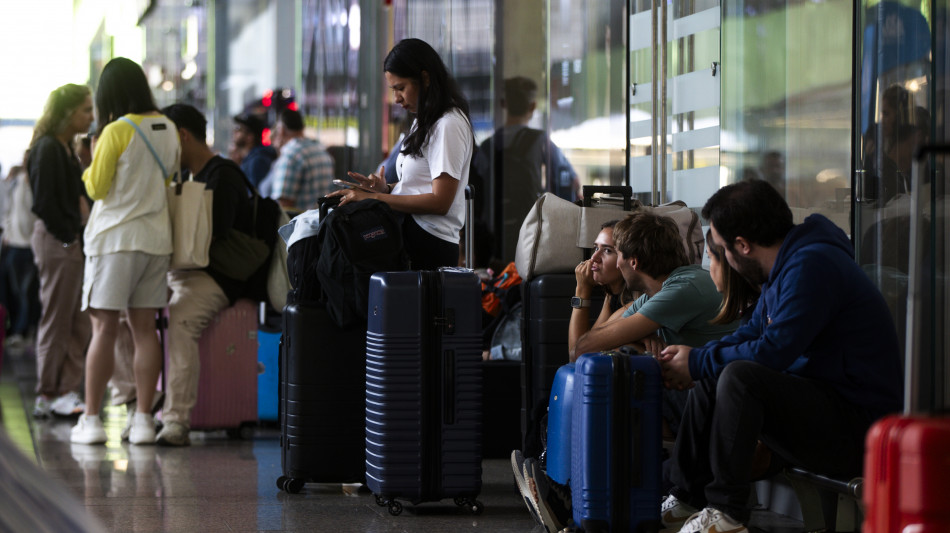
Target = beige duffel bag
(555,232)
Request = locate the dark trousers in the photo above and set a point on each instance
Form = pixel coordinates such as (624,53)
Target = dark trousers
(805,422)
(19,288)
(426,251)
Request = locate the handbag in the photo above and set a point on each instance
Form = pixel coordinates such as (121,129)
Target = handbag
(239,255)
(189,209)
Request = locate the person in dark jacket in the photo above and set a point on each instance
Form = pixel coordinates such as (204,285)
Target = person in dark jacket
(197,296)
(61,206)
(818,359)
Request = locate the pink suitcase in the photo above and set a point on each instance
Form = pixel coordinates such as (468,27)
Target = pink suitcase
(227,383)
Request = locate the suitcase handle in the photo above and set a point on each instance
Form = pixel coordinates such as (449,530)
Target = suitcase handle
(326,202)
(588,191)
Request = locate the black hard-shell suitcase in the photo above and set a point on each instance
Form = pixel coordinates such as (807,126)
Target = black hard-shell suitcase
(322,399)
(424,388)
(546,315)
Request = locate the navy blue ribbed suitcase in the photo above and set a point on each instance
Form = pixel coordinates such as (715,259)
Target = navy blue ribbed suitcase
(321,402)
(616,443)
(424,388)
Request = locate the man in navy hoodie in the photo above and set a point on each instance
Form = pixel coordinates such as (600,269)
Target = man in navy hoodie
(815,366)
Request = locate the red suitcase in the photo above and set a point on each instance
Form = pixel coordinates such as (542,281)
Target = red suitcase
(907,475)
(227,382)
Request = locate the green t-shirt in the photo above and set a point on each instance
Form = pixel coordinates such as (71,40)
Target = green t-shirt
(684,306)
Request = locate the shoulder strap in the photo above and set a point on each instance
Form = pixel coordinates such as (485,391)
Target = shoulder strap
(147,143)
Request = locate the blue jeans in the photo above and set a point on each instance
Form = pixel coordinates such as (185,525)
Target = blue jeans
(19,288)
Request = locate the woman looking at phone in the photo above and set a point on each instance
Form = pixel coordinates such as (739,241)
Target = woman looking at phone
(433,164)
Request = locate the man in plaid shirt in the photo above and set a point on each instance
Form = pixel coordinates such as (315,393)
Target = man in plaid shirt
(303,171)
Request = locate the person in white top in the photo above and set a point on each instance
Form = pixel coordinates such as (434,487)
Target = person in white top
(433,164)
(20,281)
(127,240)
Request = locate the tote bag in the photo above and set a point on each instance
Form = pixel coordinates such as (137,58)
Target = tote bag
(189,207)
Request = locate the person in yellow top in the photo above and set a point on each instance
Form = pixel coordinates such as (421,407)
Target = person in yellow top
(127,240)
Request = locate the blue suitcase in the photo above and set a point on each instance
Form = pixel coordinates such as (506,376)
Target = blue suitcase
(616,447)
(268,378)
(424,388)
(560,408)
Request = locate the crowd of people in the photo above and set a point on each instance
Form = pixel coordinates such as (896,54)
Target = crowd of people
(782,338)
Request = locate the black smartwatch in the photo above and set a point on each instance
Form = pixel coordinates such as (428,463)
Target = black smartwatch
(578,303)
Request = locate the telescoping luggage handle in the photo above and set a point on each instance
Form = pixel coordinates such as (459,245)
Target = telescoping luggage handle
(916,297)
(469,226)
(588,191)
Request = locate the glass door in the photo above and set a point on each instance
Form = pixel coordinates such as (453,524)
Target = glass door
(674,71)
(901,214)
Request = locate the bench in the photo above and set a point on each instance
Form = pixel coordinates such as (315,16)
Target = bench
(820,513)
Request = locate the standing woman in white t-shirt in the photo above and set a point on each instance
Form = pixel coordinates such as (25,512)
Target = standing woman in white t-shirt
(433,163)
(127,240)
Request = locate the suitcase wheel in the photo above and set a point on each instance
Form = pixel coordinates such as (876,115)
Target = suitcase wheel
(289,484)
(395,508)
(244,432)
(474,505)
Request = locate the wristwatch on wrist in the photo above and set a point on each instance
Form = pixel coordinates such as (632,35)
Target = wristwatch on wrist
(578,303)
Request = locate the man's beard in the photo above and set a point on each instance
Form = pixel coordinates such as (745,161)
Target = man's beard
(750,269)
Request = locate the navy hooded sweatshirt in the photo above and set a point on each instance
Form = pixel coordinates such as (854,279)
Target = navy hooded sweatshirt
(819,317)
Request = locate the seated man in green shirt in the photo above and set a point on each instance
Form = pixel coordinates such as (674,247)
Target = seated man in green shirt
(679,299)
(678,302)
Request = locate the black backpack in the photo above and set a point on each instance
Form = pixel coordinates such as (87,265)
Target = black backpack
(353,242)
(518,184)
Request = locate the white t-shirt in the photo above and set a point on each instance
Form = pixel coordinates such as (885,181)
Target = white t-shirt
(449,150)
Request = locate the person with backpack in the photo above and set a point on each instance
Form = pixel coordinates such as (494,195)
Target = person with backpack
(197,296)
(512,160)
(433,163)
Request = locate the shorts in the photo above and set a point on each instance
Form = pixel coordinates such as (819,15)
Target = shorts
(125,280)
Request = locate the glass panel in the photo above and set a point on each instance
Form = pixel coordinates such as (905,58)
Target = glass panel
(586,75)
(330,56)
(463,34)
(176,60)
(685,101)
(786,95)
(901,104)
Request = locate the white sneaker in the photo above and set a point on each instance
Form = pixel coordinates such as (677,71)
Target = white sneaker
(674,513)
(41,407)
(88,430)
(143,429)
(174,434)
(129,415)
(517,468)
(68,404)
(711,520)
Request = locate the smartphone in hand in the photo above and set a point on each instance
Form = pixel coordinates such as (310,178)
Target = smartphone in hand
(351,185)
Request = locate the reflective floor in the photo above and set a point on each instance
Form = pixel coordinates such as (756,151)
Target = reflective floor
(222,484)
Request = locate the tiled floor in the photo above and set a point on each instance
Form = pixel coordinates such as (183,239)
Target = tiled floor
(219,484)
